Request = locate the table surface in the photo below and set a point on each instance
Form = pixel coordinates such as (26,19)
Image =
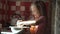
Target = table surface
(7,33)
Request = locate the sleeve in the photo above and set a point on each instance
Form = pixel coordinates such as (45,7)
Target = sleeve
(40,20)
(41,26)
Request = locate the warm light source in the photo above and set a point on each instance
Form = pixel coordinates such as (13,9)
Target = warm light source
(33,29)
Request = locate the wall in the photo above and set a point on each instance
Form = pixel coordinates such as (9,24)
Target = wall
(8,8)
(18,7)
(2,10)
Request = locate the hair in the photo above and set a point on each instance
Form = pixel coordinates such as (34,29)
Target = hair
(40,5)
(16,15)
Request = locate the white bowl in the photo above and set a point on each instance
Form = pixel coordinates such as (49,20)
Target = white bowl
(15,29)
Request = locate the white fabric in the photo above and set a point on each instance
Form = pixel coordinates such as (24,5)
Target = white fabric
(26,22)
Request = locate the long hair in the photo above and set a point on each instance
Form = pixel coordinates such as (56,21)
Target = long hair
(41,8)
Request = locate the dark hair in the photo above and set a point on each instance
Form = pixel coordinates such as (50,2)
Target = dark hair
(17,15)
(42,8)
(20,18)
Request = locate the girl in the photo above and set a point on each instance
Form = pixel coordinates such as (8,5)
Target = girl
(39,12)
